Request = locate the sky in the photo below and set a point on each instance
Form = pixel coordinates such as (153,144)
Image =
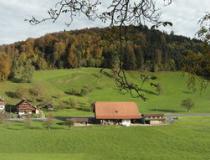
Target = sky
(184,14)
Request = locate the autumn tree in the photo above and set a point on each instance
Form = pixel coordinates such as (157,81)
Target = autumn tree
(139,52)
(5,66)
(59,51)
(72,57)
(129,59)
(157,60)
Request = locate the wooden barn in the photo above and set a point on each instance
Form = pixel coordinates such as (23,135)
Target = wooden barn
(2,104)
(122,113)
(26,108)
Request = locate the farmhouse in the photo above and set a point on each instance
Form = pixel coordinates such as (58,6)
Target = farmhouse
(123,113)
(2,105)
(26,108)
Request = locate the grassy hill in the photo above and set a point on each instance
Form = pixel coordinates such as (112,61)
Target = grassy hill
(55,85)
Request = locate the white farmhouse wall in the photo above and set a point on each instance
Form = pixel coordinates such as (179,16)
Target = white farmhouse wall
(155,122)
(37,111)
(2,107)
(126,123)
(21,113)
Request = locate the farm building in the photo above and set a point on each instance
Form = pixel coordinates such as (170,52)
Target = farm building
(81,120)
(2,105)
(26,108)
(154,119)
(123,113)
(47,106)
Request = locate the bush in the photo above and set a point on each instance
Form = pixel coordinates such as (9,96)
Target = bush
(69,123)
(74,92)
(71,103)
(48,122)
(37,91)
(187,104)
(27,121)
(21,93)
(3,117)
(84,91)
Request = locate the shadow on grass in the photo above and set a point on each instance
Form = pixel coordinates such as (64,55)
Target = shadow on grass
(187,92)
(166,110)
(149,92)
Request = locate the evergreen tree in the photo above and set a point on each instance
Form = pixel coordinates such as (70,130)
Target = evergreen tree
(22,69)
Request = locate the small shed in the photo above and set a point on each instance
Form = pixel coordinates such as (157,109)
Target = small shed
(26,108)
(154,119)
(116,112)
(47,106)
(80,120)
(2,104)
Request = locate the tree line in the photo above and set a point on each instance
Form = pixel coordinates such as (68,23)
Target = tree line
(142,49)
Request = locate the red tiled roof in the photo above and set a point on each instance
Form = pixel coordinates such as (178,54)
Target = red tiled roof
(116,110)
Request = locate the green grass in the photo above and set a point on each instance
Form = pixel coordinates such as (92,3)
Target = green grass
(189,138)
(56,82)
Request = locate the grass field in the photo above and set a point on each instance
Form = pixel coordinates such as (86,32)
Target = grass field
(186,139)
(56,83)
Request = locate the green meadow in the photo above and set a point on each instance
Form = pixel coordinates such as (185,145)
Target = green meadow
(186,139)
(56,83)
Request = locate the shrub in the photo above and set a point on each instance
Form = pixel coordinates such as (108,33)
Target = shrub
(27,121)
(79,92)
(69,123)
(73,103)
(99,87)
(37,91)
(74,92)
(159,89)
(60,105)
(34,91)
(187,104)
(69,104)
(84,91)
(3,117)
(48,122)
(21,93)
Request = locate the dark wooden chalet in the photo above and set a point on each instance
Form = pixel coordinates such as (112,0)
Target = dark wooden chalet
(26,108)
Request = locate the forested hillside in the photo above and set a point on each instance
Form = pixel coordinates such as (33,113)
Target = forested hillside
(143,49)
